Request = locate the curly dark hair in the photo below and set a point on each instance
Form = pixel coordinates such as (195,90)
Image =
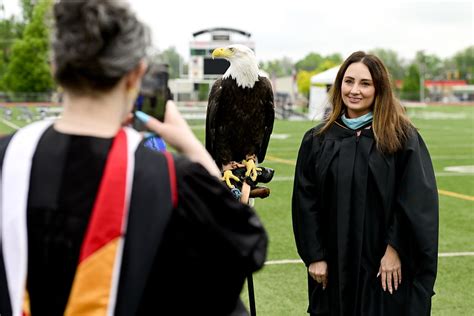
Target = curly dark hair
(95,43)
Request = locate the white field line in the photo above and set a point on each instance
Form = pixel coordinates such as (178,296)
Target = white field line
(438,174)
(456,254)
(10,124)
(442,254)
(452,174)
(452,157)
(197,127)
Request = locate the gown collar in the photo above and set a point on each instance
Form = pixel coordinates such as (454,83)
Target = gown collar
(339,130)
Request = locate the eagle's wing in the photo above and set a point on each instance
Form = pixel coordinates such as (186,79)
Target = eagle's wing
(269,117)
(211,121)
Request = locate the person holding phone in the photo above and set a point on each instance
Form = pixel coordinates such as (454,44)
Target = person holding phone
(92,223)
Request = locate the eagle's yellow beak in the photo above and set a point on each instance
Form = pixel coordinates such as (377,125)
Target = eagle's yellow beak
(221,52)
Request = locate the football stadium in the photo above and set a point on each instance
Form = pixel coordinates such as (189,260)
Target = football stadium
(229,98)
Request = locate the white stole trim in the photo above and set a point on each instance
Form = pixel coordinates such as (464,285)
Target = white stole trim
(133,139)
(14,198)
(15,182)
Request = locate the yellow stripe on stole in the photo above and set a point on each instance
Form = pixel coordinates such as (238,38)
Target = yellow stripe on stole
(90,293)
(26,304)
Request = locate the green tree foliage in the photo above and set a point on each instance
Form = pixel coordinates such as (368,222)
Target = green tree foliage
(27,7)
(327,64)
(28,69)
(278,67)
(2,68)
(171,57)
(430,66)
(303,81)
(203,92)
(391,60)
(303,78)
(10,30)
(336,58)
(309,62)
(313,60)
(464,64)
(411,84)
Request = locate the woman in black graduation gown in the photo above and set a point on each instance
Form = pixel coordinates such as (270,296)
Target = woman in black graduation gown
(365,205)
(188,259)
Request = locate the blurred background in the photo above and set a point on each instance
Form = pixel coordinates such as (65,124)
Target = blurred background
(428,47)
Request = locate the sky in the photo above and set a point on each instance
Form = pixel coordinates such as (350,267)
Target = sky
(294,28)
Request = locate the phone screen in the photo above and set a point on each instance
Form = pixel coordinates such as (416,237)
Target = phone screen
(152,106)
(154,94)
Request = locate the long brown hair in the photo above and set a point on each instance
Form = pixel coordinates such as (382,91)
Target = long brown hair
(390,124)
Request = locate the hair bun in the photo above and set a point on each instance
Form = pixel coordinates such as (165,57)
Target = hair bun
(97,40)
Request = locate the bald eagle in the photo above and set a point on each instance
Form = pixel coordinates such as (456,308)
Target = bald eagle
(240,112)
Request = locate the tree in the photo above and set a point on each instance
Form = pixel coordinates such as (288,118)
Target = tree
(171,57)
(303,81)
(2,68)
(28,69)
(464,63)
(309,63)
(391,60)
(303,78)
(431,66)
(326,64)
(278,67)
(411,84)
(27,7)
(10,30)
(336,58)
(313,61)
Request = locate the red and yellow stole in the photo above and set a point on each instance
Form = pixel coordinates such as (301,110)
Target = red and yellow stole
(95,284)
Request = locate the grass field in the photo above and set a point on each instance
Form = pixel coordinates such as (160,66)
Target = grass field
(449,134)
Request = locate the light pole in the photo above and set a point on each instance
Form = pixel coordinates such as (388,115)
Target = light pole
(422,83)
(422,77)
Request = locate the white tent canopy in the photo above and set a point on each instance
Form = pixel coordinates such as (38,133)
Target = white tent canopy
(318,96)
(325,77)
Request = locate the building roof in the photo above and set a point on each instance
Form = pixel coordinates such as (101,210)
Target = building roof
(445,83)
(219,29)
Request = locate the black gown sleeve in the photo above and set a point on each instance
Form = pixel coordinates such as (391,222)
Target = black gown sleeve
(305,210)
(211,244)
(415,228)
(206,201)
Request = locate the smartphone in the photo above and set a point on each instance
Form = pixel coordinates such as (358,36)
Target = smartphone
(154,94)
(151,106)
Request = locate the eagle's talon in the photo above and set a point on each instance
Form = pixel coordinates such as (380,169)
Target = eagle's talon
(227,176)
(251,169)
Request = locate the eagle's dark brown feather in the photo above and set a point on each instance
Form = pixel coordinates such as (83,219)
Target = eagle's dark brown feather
(239,120)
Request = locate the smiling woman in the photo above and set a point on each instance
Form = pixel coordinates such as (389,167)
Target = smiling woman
(360,224)
(357,90)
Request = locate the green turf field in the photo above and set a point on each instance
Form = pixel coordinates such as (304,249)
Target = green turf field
(449,134)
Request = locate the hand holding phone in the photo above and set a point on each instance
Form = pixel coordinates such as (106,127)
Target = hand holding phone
(153,106)
(176,132)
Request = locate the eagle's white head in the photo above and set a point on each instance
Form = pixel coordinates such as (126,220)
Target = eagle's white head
(243,64)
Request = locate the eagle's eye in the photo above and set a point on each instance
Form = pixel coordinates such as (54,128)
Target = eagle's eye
(231,49)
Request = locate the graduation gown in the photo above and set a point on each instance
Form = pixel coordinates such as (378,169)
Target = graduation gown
(183,260)
(350,201)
